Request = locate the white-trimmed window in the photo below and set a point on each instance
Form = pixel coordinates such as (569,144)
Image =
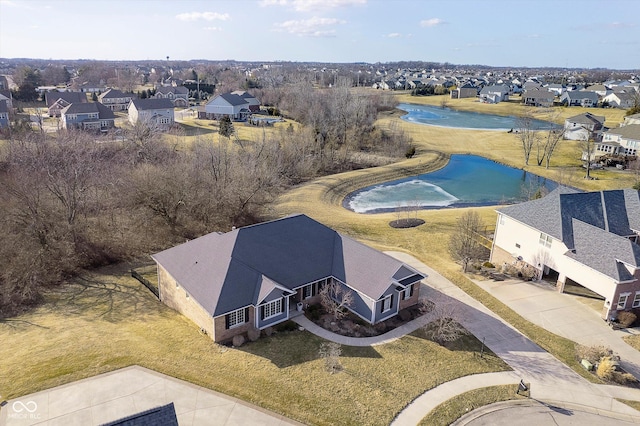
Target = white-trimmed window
(386,303)
(311,289)
(545,240)
(237,318)
(407,292)
(636,300)
(622,300)
(272,309)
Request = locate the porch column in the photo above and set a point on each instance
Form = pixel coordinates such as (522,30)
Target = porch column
(560,283)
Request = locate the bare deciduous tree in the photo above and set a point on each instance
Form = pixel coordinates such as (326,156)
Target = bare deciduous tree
(335,298)
(464,245)
(527,135)
(446,326)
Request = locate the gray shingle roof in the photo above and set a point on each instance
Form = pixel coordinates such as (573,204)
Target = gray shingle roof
(70,97)
(586,118)
(225,272)
(85,108)
(114,93)
(180,90)
(147,104)
(630,131)
(233,99)
(593,225)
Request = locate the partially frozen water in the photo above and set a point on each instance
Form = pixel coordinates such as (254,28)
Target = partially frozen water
(467,180)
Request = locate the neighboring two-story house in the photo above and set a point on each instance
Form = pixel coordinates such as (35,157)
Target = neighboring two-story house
(56,101)
(583,127)
(156,112)
(179,96)
(538,97)
(623,140)
(588,239)
(116,100)
(87,116)
(257,276)
(494,94)
(583,98)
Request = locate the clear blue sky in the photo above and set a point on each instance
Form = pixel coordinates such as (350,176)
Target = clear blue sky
(562,33)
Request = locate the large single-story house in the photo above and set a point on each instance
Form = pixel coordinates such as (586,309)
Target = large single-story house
(227,104)
(255,277)
(254,103)
(624,140)
(179,95)
(588,239)
(56,101)
(87,116)
(581,127)
(116,100)
(157,112)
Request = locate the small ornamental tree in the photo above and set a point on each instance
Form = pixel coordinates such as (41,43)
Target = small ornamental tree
(464,245)
(335,298)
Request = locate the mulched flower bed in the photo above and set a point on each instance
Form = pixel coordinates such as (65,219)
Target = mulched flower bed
(353,326)
(406,223)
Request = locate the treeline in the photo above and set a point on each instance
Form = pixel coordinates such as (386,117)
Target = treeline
(68,203)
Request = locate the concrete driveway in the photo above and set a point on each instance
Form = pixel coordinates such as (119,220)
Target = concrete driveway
(121,393)
(566,315)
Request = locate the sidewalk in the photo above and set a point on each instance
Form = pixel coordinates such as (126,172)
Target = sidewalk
(121,393)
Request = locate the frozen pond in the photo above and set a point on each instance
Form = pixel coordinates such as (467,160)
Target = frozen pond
(467,180)
(446,117)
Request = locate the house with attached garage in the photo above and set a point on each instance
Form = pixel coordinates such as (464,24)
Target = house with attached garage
(577,239)
(87,116)
(227,104)
(258,276)
(154,112)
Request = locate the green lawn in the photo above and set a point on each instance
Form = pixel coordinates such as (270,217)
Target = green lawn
(108,320)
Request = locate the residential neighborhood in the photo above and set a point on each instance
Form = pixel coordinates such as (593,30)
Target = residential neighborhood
(301,241)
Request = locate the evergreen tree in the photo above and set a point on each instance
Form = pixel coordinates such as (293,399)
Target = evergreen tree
(226,127)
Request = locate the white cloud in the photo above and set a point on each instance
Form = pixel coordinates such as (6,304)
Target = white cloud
(310,5)
(207,16)
(621,25)
(212,28)
(432,22)
(314,27)
(393,35)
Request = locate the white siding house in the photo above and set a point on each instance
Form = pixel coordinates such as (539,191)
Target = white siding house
(590,239)
(157,112)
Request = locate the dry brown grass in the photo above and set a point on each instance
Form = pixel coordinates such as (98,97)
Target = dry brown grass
(108,320)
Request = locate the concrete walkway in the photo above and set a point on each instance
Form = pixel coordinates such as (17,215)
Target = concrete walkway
(550,379)
(121,393)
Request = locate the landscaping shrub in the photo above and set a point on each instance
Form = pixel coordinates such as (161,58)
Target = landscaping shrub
(625,319)
(314,312)
(624,378)
(488,264)
(238,340)
(253,334)
(268,331)
(593,353)
(607,368)
(286,326)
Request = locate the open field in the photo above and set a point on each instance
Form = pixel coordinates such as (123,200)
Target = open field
(107,320)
